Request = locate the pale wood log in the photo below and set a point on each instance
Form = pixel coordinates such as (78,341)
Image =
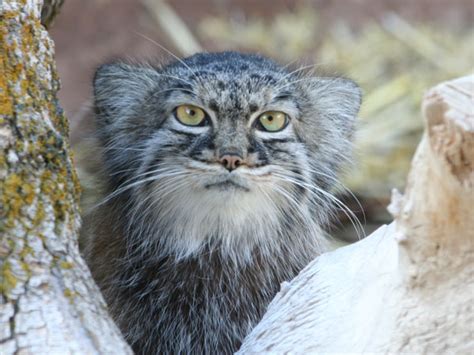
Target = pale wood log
(408,287)
(49,303)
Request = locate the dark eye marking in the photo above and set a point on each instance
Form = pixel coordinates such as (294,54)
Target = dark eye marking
(279,150)
(183,86)
(180,87)
(283,96)
(200,144)
(182,133)
(278,140)
(257,147)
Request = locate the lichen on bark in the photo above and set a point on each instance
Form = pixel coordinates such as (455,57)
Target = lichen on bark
(48,299)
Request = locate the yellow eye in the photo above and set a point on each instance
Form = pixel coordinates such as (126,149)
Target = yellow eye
(190,115)
(272,121)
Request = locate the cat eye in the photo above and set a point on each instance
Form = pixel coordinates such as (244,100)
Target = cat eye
(272,121)
(190,115)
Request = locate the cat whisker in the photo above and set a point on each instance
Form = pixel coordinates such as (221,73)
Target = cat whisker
(129,186)
(118,172)
(297,70)
(143,213)
(338,183)
(164,189)
(295,208)
(315,190)
(293,82)
(122,149)
(173,55)
(346,189)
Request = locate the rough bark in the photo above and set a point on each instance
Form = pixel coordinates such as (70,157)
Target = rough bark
(408,287)
(49,303)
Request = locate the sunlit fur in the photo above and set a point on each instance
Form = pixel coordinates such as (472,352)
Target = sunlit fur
(188,254)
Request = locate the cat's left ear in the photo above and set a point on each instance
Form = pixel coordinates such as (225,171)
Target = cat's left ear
(337,99)
(120,87)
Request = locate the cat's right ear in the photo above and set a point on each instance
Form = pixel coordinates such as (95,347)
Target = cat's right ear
(119,88)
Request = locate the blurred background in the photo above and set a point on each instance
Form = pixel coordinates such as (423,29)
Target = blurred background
(395,50)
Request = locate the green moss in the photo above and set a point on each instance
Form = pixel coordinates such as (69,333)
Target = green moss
(44,175)
(26,268)
(25,252)
(40,214)
(8,279)
(12,198)
(6,100)
(66,265)
(69,294)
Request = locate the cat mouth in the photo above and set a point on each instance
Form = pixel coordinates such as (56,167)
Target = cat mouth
(226,185)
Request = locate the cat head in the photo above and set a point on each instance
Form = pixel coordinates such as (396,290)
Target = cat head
(223,141)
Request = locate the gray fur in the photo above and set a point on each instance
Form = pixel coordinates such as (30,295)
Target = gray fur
(186,264)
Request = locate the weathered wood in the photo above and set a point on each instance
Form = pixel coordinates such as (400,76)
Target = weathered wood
(408,287)
(49,302)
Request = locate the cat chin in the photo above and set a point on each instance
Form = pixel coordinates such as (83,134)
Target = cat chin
(233,211)
(238,217)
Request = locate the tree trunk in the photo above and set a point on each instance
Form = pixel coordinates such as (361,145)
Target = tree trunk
(408,287)
(49,302)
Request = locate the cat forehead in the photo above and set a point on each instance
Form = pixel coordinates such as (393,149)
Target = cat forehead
(228,79)
(227,62)
(245,94)
(227,70)
(223,77)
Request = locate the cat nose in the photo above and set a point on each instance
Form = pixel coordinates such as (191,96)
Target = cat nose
(230,161)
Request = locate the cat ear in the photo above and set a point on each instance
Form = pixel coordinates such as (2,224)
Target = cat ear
(337,99)
(119,88)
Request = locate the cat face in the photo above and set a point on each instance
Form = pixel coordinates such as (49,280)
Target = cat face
(224,140)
